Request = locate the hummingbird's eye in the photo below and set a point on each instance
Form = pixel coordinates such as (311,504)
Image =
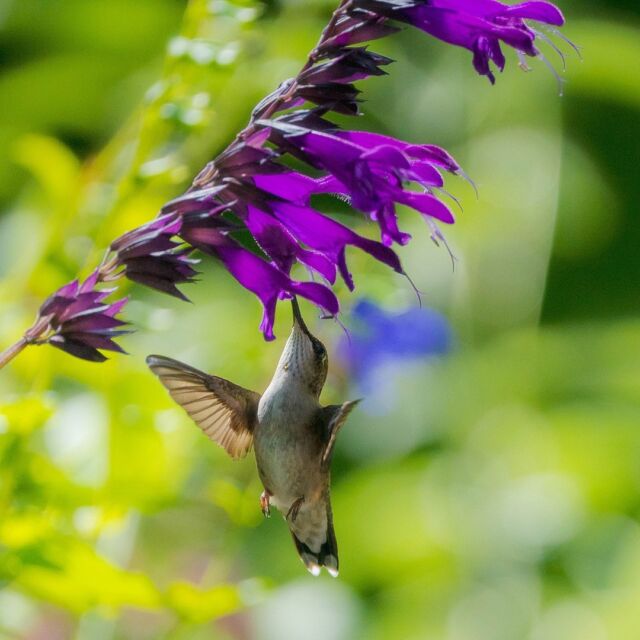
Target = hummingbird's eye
(320,351)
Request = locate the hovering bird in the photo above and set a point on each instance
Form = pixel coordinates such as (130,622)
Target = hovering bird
(292,434)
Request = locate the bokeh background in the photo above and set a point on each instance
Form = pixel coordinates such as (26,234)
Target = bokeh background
(487,489)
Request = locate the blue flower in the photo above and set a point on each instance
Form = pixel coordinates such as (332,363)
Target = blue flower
(379,338)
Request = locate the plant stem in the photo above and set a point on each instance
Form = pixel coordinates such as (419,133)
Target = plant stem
(9,354)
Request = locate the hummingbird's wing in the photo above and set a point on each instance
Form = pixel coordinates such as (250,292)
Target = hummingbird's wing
(333,417)
(224,411)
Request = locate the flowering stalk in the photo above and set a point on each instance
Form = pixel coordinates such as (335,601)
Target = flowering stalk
(250,187)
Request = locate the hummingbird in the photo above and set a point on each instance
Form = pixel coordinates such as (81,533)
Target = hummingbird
(292,435)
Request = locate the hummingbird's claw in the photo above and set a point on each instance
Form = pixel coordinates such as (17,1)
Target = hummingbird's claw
(294,508)
(264,503)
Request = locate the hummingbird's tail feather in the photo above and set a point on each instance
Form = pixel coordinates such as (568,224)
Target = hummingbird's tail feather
(315,541)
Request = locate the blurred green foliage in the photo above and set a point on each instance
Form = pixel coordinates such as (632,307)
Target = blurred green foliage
(498,500)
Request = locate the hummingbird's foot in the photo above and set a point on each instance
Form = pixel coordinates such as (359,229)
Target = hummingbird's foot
(265,496)
(294,508)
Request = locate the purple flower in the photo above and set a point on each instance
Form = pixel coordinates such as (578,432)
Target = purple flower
(270,284)
(330,238)
(151,257)
(371,169)
(478,25)
(278,242)
(266,281)
(76,319)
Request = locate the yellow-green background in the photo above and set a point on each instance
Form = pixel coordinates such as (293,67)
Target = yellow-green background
(497,501)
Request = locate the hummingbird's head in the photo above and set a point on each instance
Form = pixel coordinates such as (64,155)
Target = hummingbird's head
(304,356)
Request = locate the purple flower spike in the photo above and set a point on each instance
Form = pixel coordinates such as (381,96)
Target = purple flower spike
(259,217)
(151,257)
(274,205)
(77,320)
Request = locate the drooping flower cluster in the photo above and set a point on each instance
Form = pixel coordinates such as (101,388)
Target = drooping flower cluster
(251,187)
(77,320)
(150,256)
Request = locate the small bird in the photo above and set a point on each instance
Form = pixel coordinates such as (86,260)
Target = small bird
(292,434)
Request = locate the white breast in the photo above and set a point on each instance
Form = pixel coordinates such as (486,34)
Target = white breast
(282,442)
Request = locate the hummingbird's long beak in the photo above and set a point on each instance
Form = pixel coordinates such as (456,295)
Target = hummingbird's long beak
(298,320)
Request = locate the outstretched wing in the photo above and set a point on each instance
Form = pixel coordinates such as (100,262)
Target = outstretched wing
(225,412)
(334,417)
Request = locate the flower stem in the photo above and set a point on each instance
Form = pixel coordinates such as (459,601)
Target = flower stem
(9,354)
